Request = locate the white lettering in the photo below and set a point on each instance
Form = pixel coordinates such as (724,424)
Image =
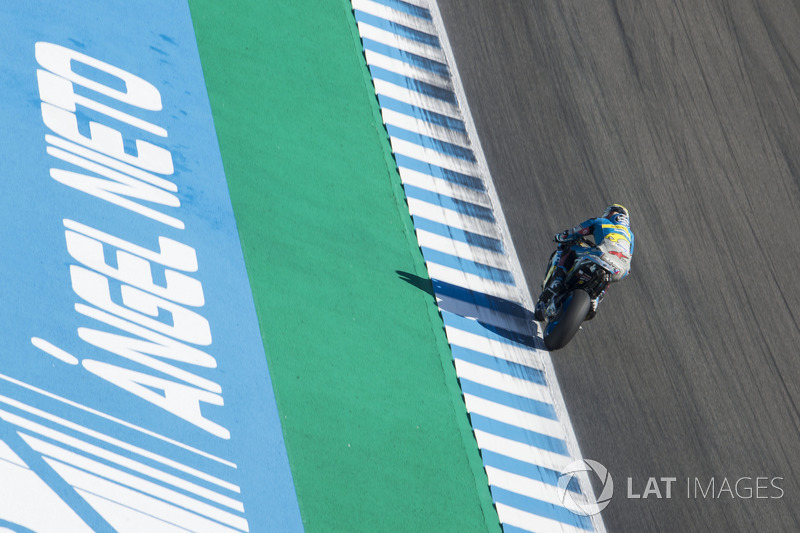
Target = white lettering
(135,271)
(59,92)
(630,490)
(58,60)
(181,400)
(187,325)
(111,189)
(107,140)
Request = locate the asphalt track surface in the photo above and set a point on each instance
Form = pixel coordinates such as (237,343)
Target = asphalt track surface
(687,113)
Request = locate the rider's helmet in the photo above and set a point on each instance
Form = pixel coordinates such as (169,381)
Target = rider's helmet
(618,214)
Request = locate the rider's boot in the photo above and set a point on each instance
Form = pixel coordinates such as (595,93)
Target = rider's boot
(554,287)
(593,308)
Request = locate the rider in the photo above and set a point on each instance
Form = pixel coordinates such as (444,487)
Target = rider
(613,226)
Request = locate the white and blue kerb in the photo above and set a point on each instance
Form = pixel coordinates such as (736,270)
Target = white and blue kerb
(514,403)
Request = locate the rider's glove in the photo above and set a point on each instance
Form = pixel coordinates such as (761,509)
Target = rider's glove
(561,237)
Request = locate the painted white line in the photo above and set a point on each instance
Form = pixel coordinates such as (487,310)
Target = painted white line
(504,382)
(468,281)
(61,458)
(392,39)
(136,466)
(423,127)
(117,420)
(460,249)
(121,444)
(451,218)
(53,350)
(531,522)
(516,353)
(386,12)
(483,315)
(433,157)
(376,59)
(515,417)
(415,98)
(441,186)
(521,451)
(531,488)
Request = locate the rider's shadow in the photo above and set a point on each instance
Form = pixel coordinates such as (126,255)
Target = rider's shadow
(502,317)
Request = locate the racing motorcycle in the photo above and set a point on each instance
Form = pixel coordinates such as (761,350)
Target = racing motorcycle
(594,268)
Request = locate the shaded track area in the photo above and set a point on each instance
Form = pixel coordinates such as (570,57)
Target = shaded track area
(687,113)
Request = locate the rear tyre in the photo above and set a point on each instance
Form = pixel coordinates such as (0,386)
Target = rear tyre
(566,323)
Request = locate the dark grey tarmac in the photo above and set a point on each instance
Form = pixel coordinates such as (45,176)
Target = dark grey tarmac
(688,113)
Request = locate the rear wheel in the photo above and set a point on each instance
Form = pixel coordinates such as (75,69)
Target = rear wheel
(566,323)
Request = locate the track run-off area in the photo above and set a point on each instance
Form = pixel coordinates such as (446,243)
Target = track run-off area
(269,266)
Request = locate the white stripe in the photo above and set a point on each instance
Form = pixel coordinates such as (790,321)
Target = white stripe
(404,94)
(531,522)
(121,444)
(376,59)
(50,349)
(126,520)
(501,381)
(515,417)
(461,249)
(73,478)
(88,485)
(521,451)
(469,281)
(451,218)
(123,461)
(424,127)
(419,3)
(117,420)
(517,353)
(400,17)
(532,488)
(392,39)
(433,157)
(441,186)
(482,314)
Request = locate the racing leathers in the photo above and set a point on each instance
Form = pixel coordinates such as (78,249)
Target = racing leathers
(614,230)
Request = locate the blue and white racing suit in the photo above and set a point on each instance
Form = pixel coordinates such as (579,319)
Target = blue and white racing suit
(614,232)
(603,230)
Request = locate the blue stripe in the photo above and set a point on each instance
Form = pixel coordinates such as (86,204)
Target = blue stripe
(540,508)
(499,305)
(465,265)
(535,407)
(438,172)
(507,528)
(422,114)
(425,141)
(405,56)
(525,436)
(473,239)
(397,29)
(465,208)
(414,84)
(534,375)
(405,7)
(513,338)
(527,470)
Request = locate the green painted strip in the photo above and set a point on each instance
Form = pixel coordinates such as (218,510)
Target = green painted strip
(375,427)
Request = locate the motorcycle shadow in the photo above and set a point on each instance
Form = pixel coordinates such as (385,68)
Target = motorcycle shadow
(503,318)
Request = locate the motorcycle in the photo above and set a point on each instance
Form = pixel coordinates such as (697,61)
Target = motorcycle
(594,268)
